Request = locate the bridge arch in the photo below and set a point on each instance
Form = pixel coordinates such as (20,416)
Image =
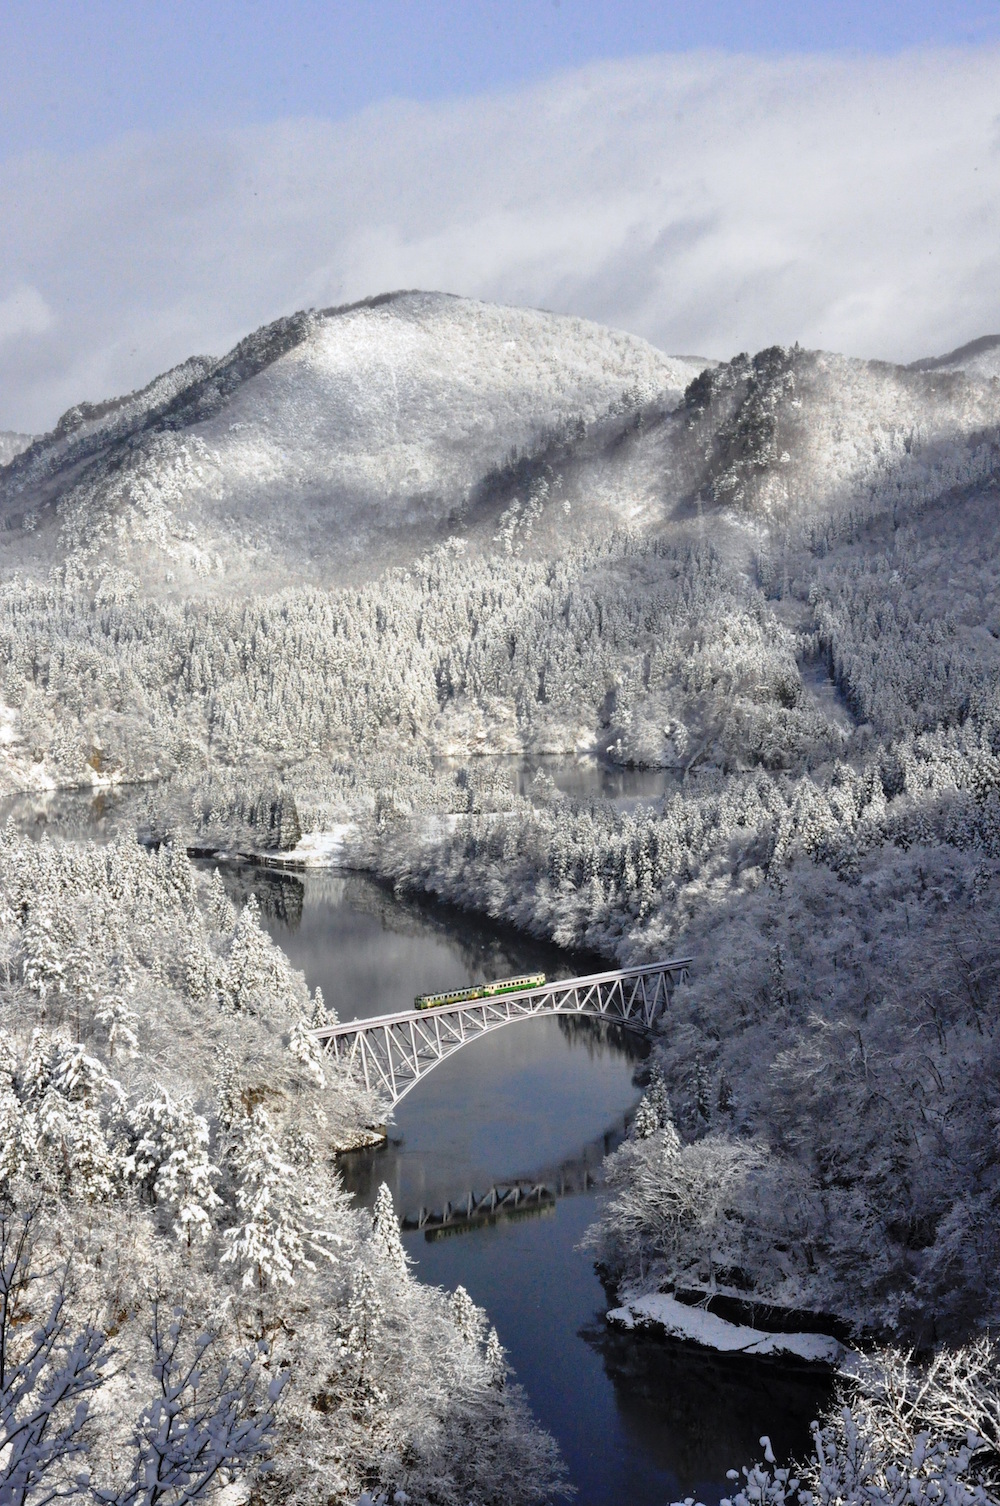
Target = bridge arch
(393,1052)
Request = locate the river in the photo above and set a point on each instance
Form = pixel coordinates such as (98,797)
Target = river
(640,1422)
(582,777)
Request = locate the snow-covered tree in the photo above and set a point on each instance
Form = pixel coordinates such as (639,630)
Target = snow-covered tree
(275,1231)
(897,1432)
(203,1421)
(48,1373)
(209,1419)
(169,1160)
(385,1233)
(362,1326)
(305,1049)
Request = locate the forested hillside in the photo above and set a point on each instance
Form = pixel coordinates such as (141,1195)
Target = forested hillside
(324,447)
(980,358)
(328,579)
(171,1221)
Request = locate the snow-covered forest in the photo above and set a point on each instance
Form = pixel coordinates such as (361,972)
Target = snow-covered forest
(781,584)
(186,1292)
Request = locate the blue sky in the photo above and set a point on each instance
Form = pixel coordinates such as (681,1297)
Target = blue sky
(712,176)
(75,75)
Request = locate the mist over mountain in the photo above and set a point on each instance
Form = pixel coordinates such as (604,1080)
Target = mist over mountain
(319,586)
(980,358)
(12,444)
(290,587)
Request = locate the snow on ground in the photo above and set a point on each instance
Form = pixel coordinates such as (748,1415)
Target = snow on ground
(386,418)
(355,440)
(321,849)
(678,1321)
(429,390)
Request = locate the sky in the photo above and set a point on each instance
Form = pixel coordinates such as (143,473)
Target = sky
(712,176)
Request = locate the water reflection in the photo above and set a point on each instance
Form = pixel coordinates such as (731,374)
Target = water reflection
(688,1411)
(91,815)
(578,1171)
(371,952)
(640,1422)
(99,814)
(583,777)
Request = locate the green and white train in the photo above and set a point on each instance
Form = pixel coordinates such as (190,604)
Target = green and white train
(480,991)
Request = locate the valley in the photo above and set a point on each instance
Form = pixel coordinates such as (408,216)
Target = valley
(400,571)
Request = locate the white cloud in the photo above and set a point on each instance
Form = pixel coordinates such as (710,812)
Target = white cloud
(710,203)
(24,312)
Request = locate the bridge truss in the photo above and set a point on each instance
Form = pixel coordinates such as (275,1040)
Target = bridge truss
(392,1052)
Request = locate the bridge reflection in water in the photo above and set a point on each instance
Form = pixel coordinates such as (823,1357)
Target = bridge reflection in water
(392,1052)
(520,1196)
(498,1204)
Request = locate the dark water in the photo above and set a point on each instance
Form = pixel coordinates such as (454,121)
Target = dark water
(639,1421)
(98,814)
(580,776)
(519,1101)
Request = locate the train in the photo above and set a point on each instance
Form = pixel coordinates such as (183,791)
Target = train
(480,991)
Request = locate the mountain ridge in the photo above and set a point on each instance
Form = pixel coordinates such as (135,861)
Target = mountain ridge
(330,445)
(384,416)
(980,356)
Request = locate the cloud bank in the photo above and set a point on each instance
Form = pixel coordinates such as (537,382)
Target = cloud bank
(709,203)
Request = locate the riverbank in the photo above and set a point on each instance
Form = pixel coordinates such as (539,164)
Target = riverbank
(640,1421)
(318,849)
(674,1319)
(507,1108)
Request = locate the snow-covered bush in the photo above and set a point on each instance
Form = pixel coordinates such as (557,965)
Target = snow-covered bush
(898,1432)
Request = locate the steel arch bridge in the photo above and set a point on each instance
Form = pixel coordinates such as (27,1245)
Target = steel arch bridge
(393,1052)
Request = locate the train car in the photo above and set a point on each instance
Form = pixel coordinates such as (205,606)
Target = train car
(480,991)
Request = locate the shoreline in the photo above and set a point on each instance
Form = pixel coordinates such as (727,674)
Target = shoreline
(702,1329)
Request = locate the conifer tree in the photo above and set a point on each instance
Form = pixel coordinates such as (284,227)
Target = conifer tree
(306,1051)
(169,1159)
(385,1233)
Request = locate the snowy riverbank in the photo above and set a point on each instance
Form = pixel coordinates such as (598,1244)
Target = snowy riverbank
(318,849)
(697,1326)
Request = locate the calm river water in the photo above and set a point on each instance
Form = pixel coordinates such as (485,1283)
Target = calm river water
(640,1422)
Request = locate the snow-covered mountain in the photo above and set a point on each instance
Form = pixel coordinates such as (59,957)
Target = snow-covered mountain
(787,450)
(328,446)
(325,444)
(819,442)
(979,358)
(819,675)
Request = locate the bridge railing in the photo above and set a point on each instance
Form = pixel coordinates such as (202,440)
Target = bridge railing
(393,1051)
(677,967)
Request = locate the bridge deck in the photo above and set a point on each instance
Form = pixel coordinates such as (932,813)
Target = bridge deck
(394,1051)
(678,965)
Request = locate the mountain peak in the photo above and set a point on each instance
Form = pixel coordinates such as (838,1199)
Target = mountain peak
(327,441)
